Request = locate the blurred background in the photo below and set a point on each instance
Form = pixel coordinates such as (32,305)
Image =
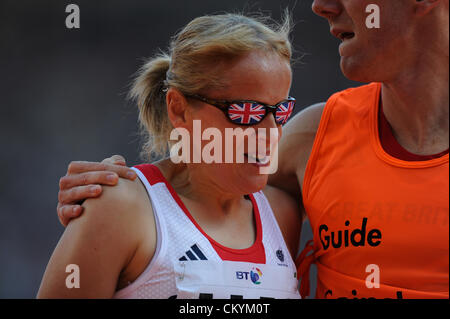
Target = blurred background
(63,98)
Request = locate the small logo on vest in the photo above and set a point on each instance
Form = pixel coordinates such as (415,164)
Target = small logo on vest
(255,275)
(280,255)
(193,254)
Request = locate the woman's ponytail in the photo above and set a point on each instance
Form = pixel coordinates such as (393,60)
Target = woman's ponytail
(149,91)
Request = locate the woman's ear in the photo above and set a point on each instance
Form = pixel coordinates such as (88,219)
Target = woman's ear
(176,107)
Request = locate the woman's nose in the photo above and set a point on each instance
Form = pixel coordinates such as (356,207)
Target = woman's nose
(269,121)
(270,128)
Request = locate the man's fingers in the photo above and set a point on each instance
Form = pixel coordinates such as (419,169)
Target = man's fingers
(77,167)
(68,212)
(75,194)
(115,160)
(81,179)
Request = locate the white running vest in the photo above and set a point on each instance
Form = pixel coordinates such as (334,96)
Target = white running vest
(186,265)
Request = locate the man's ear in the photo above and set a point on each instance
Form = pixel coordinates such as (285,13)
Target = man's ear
(422,7)
(176,107)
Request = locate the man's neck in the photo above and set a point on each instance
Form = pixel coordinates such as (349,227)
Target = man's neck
(416,104)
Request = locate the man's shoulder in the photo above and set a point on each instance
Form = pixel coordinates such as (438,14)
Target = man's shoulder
(359,97)
(295,146)
(300,131)
(307,119)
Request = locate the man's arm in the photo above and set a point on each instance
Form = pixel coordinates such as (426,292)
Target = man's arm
(294,150)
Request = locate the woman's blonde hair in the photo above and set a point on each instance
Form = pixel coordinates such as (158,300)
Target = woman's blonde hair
(193,64)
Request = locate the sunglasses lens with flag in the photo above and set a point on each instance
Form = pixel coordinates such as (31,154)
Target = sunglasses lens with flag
(246,113)
(284,111)
(249,113)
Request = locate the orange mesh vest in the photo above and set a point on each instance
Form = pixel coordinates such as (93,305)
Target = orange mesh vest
(380,224)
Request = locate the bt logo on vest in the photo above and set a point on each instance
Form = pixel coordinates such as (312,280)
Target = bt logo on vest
(254,275)
(337,240)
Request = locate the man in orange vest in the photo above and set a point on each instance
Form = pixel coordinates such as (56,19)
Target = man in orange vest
(370,166)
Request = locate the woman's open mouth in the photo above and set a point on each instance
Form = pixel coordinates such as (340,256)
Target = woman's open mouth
(258,160)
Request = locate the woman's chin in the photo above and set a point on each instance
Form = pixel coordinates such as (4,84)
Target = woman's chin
(241,178)
(253,183)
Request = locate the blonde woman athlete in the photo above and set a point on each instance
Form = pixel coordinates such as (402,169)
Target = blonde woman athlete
(194,230)
(370,166)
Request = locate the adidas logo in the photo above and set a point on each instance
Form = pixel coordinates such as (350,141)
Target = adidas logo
(193,254)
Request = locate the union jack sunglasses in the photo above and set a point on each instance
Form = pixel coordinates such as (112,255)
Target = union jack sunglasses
(251,112)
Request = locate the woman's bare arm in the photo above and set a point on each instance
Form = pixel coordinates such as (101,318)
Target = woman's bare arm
(101,243)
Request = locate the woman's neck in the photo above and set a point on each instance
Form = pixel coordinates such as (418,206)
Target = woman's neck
(198,187)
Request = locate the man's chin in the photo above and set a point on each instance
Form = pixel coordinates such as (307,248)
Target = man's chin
(356,70)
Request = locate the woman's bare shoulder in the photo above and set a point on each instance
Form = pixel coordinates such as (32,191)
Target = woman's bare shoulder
(123,201)
(102,242)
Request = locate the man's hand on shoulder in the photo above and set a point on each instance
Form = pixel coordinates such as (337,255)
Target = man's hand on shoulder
(84,180)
